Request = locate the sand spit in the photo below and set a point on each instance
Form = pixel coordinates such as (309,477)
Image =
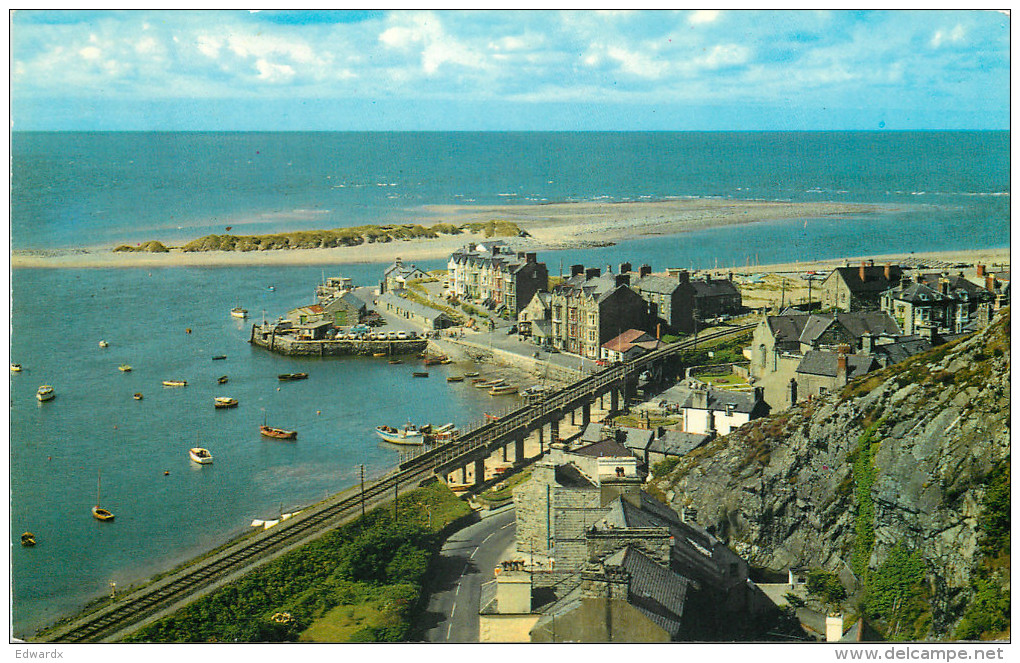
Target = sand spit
(550,226)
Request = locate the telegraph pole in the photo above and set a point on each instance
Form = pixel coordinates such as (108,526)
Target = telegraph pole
(362,489)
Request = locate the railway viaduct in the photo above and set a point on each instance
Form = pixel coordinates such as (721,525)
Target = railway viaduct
(134,608)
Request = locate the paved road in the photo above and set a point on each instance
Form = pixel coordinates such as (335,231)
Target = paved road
(467,561)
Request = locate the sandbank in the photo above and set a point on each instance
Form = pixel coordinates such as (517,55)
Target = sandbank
(549,226)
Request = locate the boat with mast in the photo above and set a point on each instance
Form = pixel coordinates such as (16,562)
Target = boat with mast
(98,512)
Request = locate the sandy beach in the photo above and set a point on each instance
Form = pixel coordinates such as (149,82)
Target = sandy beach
(551,226)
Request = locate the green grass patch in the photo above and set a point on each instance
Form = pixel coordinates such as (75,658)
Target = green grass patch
(509,484)
(374,564)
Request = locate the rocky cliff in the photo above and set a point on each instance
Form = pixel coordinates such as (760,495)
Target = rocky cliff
(894,484)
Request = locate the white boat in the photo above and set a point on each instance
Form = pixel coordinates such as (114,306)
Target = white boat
(503,390)
(408,434)
(224,402)
(45,393)
(239,312)
(15,368)
(175,383)
(104,344)
(124,368)
(200,455)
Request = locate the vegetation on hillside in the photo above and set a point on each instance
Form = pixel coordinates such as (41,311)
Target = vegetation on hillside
(147,247)
(359,583)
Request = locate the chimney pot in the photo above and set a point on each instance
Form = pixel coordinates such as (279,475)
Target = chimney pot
(576,269)
(592,273)
(625,267)
(645,270)
(980,270)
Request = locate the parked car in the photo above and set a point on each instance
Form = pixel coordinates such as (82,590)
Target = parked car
(402,335)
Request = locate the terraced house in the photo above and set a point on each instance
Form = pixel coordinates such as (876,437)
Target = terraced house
(492,275)
(589,308)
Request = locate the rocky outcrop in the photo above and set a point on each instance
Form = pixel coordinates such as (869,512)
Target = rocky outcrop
(901,455)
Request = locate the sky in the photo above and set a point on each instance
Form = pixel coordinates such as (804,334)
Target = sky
(417,69)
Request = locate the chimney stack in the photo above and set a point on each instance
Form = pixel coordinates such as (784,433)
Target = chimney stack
(990,283)
(980,270)
(867,343)
(531,257)
(841,366)
(888,271)
(625,267)
(644,271)
(576,270)
(683,277)
(592,273)
(623,279)
(862,272)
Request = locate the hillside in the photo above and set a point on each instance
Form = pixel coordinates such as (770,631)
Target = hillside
(899,485)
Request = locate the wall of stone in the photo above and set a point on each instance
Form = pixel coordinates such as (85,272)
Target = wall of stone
(287,345)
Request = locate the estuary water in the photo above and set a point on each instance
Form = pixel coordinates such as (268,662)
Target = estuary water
(943,191)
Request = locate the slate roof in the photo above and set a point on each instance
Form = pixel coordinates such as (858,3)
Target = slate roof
(658,592)
(874,279)
(825,363)
(714,288)
(353,300)
(919,292)
(604,449)
(901,349)
(412,307)
(958,283)
(718,399)
(856,324)
(597,288)
(786,329)
(658,284)
(678,443)
(633,438)
(570,477)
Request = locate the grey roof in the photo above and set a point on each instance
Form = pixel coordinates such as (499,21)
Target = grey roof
(653,283)
(714,288)
(719,399)
(570,477)
(856,324)
(353,300)
(398,268)
(918,292)
(541,328)
(903,348)
(604,448)
(655,590)
(825,363)
(959,283)
(314,325)
(786,329)
(412,307)
(678,443)
(874,279)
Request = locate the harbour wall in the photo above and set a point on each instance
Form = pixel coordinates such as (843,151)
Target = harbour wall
(288,345)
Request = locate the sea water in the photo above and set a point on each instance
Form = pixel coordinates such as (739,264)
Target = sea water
(938,191)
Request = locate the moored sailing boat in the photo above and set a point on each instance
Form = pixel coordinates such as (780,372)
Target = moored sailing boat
(98,512)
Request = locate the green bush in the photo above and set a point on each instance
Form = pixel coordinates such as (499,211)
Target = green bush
(664,467)
(826,586)
(897,595)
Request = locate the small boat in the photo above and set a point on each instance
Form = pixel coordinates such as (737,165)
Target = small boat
(284,377)
(420,374)
(28,539)
(239,312)
(98,512)
(272,288)
(221,379)
(477,381)
(439,359)
(378,354)
(408,434)
(175,383)
(15,368)
(138,396)
(455,378)
(278,433)
(104,344)
(200,455)
(445,360)
(489,384)
(45,393)
(444,433)
(491,417)
(124,368)
(224,402)
(503,390)
(219,357)
(472,374)
(396,361)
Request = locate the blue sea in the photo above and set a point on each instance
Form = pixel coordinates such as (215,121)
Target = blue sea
(937,191)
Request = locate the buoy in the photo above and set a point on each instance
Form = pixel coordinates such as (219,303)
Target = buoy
(318,412)
(187,330)
(166,473)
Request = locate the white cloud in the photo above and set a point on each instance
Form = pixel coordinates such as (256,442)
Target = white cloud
(941,37)
(637,63)
(90,53)
(208,46)
(273,73)
(724,55)
(703,16)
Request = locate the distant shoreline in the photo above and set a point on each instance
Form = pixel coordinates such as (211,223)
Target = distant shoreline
(550,226)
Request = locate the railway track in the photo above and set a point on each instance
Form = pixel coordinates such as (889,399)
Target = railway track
(166,592)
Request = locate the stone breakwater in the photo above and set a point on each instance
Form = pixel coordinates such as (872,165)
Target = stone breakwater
(286,344)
